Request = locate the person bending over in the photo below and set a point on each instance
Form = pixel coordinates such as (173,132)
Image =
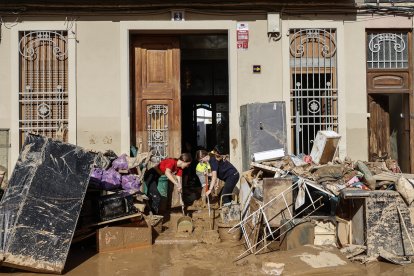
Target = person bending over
(168,167)
(220,169)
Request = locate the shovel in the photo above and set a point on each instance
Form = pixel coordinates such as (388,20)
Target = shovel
(185,223)
(182,203)
(208,197)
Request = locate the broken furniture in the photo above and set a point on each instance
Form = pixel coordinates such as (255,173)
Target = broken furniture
(267,230)
(325,146)
(376,222)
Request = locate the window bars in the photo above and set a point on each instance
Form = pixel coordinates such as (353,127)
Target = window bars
(313,92)
(43,87)
(387,50)
(157,129)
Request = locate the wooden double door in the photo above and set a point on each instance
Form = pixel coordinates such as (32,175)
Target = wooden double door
(155,99)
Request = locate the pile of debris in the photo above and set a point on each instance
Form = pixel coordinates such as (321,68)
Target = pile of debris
(114,199)
(319,199)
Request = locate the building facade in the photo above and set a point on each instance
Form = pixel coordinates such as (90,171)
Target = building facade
(173,75)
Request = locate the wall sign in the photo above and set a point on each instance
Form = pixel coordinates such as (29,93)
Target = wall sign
(257,69)
(242,36)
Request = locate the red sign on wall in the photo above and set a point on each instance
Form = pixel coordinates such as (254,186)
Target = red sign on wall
(242,36)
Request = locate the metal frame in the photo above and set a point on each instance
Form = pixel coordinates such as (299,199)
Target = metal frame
(314,204)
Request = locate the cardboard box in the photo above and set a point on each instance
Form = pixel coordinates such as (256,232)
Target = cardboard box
(132,235)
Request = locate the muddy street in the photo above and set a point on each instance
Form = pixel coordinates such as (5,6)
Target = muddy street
(202,259)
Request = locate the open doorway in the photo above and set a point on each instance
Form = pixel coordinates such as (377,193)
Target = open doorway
(204,92)
(180,100)
(389,128)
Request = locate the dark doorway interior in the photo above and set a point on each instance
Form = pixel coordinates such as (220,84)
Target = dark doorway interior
(204,92)
(389,128)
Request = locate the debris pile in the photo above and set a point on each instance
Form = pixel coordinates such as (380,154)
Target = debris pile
(353,204)
(61,194)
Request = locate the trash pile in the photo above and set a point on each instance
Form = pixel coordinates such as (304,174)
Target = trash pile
(61,194)
(358,206)
(115,195)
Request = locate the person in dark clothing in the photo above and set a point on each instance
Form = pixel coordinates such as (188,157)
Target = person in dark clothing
(220,169)
(168,167)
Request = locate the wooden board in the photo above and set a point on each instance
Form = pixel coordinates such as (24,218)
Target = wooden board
(125,236)
(301,234)
(254,224)
(276,210)
(41,207)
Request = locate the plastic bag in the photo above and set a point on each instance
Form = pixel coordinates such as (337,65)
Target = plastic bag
(96,174)
(121,163)
(111,179)
(130,183)
(405,189)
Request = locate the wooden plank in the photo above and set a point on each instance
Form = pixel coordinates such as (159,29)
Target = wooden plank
(253,225)
(53,177)
(132,235)
(276,211)
(266,168)
(114,220)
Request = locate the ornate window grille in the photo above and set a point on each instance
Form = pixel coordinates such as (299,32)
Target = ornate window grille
(313,92)
(387,50)
(43,92)
(157,129)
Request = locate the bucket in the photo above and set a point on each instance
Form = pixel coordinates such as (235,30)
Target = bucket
(185,225)
(223,229)
(229,213)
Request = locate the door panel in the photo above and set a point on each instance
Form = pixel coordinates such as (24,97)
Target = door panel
(157,94)
(378,126)
(158,75)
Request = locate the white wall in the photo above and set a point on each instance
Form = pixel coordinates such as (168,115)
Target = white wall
(266,86)
(98,85)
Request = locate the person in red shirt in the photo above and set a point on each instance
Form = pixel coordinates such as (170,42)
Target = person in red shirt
(168,167)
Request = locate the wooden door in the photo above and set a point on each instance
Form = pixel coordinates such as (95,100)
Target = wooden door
(378,126)
(157,94)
